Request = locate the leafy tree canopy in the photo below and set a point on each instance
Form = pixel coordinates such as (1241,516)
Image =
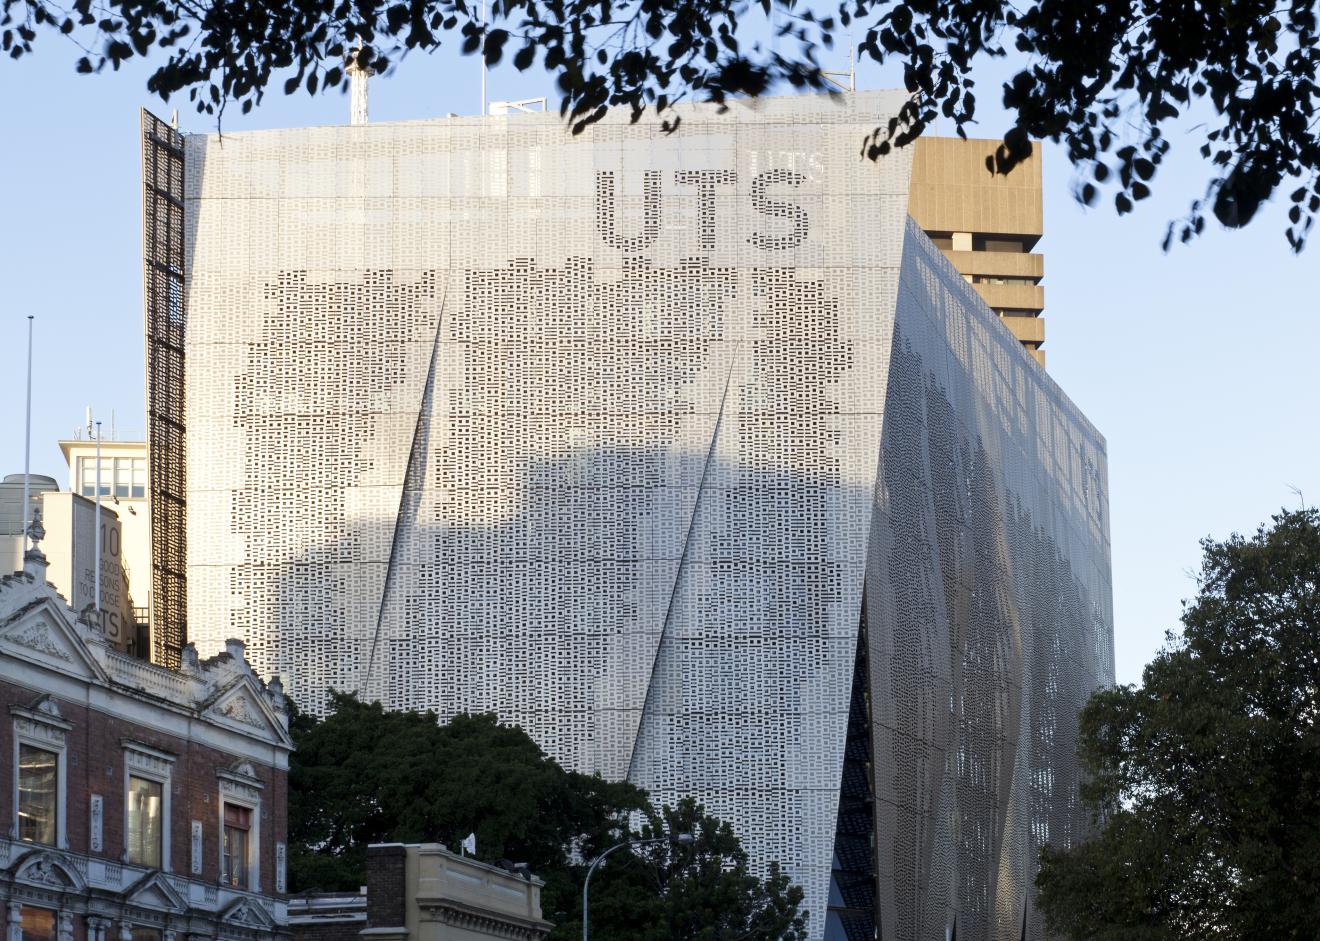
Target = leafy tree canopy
(703,891)
(364,775)
(1207,776)
(1107,78)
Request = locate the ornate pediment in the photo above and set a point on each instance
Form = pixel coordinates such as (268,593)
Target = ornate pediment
(44,632)
(41,721)
(48,869)
(36,635)
(242,706)
(240,780)
(249,912)
(240,709)
(48,707)
(155,891)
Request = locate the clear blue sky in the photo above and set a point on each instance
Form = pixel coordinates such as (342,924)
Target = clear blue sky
(1200,366)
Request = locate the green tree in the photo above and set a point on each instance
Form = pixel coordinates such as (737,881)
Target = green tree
(1106,78)
(702,891)
(1206,778)
(364,775)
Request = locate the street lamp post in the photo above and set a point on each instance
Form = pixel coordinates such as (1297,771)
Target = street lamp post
(685,838)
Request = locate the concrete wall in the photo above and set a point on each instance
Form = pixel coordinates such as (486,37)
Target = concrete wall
(987,225)
(952,191)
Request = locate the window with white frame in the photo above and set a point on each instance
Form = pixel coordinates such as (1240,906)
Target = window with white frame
(122,477)
(38,794)
(144,821)
(240,828)
(147,774)
(39,778)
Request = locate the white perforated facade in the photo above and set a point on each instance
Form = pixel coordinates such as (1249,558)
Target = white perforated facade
(628,438)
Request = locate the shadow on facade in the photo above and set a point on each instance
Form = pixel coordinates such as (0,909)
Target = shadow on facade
(949,731)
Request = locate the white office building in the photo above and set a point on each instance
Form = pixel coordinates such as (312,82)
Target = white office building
(689,453)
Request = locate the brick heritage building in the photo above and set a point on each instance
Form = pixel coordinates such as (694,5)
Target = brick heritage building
(138,803)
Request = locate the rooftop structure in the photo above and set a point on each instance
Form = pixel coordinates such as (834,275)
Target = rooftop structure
(127,556)
(73,531)
(14,517)
(987,225)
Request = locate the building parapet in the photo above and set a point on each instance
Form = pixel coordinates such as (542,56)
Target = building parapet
(1029,265)
(150,678)
(423,892)
(328,907)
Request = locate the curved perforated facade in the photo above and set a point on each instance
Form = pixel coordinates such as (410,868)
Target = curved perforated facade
(629,438)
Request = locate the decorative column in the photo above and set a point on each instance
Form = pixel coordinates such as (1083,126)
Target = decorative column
(125,931)
(14,922)
(64,927)
(96,928)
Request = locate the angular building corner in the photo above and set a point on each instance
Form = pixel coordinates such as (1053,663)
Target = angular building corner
(988,614)
(691,454)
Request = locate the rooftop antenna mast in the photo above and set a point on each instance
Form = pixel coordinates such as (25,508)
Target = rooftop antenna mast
(27,446)
(485,21)
(845,81)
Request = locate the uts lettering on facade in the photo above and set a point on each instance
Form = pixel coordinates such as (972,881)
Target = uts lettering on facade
(778,238)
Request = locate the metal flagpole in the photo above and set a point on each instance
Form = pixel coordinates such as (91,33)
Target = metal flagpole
(96,556)
(485,17)
(27,446)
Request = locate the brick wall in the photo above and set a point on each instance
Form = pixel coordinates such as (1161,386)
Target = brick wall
(95,765)
(346,930)
(386,873)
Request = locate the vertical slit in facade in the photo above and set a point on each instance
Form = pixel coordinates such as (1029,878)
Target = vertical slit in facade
(851,915)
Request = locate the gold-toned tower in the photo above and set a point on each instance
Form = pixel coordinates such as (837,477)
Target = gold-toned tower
(987,224)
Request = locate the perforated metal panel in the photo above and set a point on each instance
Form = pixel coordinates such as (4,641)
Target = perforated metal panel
(989,614)
(162,284)
(593,432)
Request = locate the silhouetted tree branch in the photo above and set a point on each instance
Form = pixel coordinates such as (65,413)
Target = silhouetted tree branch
(1105,78)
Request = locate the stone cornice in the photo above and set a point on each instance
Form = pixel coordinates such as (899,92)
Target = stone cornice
(108,888)
(458,915)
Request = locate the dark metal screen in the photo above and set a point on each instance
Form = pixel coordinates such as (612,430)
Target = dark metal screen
(162,281)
